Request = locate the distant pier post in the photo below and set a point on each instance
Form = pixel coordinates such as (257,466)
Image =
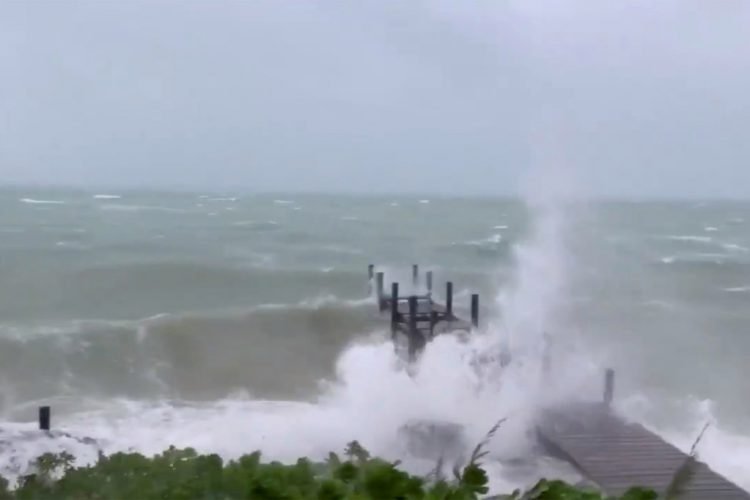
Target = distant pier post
(415,275)
(45,418)
(414,346)
(370,276)
(394,309)
(475,310)
(428,277)
(379,288)
(609,386)
(449,300)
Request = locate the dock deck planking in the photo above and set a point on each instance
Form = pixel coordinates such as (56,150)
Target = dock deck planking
(617,455)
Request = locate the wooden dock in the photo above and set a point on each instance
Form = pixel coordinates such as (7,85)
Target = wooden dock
(611,453)
(617,455)
(418,317)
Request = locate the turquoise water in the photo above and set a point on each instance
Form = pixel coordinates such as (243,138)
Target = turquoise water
(127,305)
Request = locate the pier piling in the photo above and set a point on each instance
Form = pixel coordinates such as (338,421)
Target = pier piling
(475,310)
(449,299)
(609,386)
(394,309)
(45,418)
(413,331)
(379,277)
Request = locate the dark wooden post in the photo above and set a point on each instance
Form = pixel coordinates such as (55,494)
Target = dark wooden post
(475,310)
(379,287)
(413,333)
(415,274)
(370,275)
(449,300)
(394,309)
(44,418)
(429,282)
(609,386)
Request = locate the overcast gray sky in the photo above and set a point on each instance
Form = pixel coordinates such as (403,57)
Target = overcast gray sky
(645,97)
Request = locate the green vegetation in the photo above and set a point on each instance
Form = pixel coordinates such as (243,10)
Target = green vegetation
(185,475)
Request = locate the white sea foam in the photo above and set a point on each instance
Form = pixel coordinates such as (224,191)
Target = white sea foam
(229,199)
(710,229)
(372,397)
(107,197)
(500,227)
(668,260)
(424,202)
(32,201)
(738,289)
(283,202)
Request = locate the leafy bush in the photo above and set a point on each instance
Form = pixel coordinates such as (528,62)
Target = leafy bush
(183,474)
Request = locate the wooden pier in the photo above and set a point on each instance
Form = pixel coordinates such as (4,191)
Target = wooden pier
(418,317)
(617,455)
(611,453)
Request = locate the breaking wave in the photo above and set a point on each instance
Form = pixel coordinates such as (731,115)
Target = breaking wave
(269,351)
(32,201)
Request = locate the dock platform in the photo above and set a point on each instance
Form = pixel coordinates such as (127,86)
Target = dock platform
(617,455)
(417,316)
(609,452)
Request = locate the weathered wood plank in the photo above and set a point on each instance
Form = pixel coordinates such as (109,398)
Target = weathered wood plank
(617,455)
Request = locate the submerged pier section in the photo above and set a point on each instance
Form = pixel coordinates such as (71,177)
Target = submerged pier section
(417,316)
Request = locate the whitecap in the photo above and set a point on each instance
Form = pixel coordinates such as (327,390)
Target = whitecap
(283,202)
(738,289)
(107,196)
(424,202)
(732,247)
(71,245)
(32,201)
(494,239)
(500,227)
(692,238)
(223,199)
(394,204)
(710,229)
(668,260)
(138,208)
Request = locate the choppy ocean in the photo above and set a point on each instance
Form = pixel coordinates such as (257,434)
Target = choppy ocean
(233,322)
